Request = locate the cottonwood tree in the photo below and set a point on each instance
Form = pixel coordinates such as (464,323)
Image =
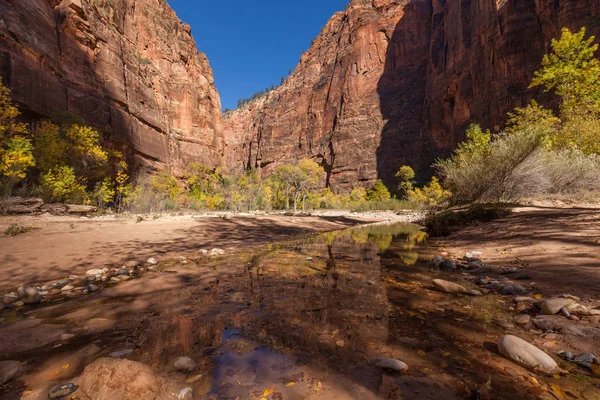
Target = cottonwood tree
(16,150)
(299,180)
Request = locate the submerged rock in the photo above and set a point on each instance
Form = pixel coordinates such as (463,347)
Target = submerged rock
(111,379)
(62,391)
(185,364)
(448,287)
(120,353)
(526,354)
(10,370)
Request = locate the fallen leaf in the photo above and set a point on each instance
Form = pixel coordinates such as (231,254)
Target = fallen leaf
(556,376)
(290,384)
(66,366)
(538,296)
(596,369)
(558,392)
(534,381)
(269,391)
(421,352)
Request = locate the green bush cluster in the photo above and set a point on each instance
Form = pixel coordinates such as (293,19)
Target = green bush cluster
(539,152)
(291,187)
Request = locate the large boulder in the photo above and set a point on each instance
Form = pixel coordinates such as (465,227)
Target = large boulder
(526,354)
(448,287)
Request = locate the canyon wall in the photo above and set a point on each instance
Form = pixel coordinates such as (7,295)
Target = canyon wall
(388,83)
(128,67)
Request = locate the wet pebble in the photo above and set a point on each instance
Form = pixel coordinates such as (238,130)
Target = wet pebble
(553,306)
(152,261)
(217,252)
(92,288)
(182,260)
(585,359)
(448,287)
(309,258)
(115,280)
(474,293)
(62,391)
(566,355)
(474,265)
(67,288)
(10,298)
(437,260)
(493,286)
(131,264)
(447,266)
(19,303)
(370,283)
(512,290)
(522,319)
(504,324)
(390,364)
(123,272)
(524,299)
(28,295)
(92,273)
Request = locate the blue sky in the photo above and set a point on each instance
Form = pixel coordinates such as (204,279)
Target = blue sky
(252,44)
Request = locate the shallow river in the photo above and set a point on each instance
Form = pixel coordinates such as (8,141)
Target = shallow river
(293,320)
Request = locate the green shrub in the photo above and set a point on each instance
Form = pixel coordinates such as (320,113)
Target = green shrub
(446,222)
(379,192)
(15,230)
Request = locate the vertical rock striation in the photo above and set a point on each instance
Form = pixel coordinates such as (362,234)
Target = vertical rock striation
(390,82)
(128,67)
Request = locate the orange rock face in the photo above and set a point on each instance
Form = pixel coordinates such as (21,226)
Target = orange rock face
(388,83)
(129,67)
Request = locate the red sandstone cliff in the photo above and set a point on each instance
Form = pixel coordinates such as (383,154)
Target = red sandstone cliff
(389,82)
(129,67)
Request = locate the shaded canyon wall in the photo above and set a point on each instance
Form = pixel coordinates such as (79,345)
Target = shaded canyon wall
(388,83)
(128,67)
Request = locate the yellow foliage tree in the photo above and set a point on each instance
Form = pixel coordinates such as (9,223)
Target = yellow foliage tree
(16,155)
